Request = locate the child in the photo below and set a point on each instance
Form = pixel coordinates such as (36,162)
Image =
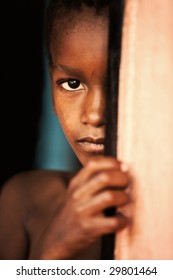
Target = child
(54,214)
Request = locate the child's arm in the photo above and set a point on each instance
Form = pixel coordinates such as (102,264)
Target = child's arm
(13,238)
(79,220)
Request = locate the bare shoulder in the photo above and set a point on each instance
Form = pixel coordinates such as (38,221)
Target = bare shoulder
(27,202)
(34,187)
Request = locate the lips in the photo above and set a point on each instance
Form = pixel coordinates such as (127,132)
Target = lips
(92,145)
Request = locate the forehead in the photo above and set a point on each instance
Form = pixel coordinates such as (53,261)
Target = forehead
(80,28)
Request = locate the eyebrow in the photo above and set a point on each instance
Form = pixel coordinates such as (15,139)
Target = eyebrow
(66,69)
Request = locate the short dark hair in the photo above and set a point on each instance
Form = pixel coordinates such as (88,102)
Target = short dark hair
(57,9)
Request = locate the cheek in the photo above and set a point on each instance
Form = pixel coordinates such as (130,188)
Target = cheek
(60,106)
(62,112)
(67,116)
(67,107)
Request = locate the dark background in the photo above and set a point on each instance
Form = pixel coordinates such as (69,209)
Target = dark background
(21,82)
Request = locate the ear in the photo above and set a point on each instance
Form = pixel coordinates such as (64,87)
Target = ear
(50,71)
(52,87)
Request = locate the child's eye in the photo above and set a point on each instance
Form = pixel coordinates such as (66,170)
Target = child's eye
(72,85)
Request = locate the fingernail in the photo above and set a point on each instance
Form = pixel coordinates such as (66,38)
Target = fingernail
(124,167)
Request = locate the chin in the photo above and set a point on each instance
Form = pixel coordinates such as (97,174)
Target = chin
(84,159)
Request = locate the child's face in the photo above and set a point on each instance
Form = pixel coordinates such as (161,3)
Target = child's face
(79,56)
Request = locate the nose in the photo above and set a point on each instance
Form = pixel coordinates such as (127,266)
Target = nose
(93,112)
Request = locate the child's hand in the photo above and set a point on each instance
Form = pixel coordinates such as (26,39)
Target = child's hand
(80,220)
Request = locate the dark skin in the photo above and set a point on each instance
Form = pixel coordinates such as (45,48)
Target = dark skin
(58,215)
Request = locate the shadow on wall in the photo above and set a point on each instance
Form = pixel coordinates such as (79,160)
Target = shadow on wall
(21,84)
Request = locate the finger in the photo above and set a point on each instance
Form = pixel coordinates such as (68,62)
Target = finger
(102,201)
(107,225)
(111,178)
(93,167)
